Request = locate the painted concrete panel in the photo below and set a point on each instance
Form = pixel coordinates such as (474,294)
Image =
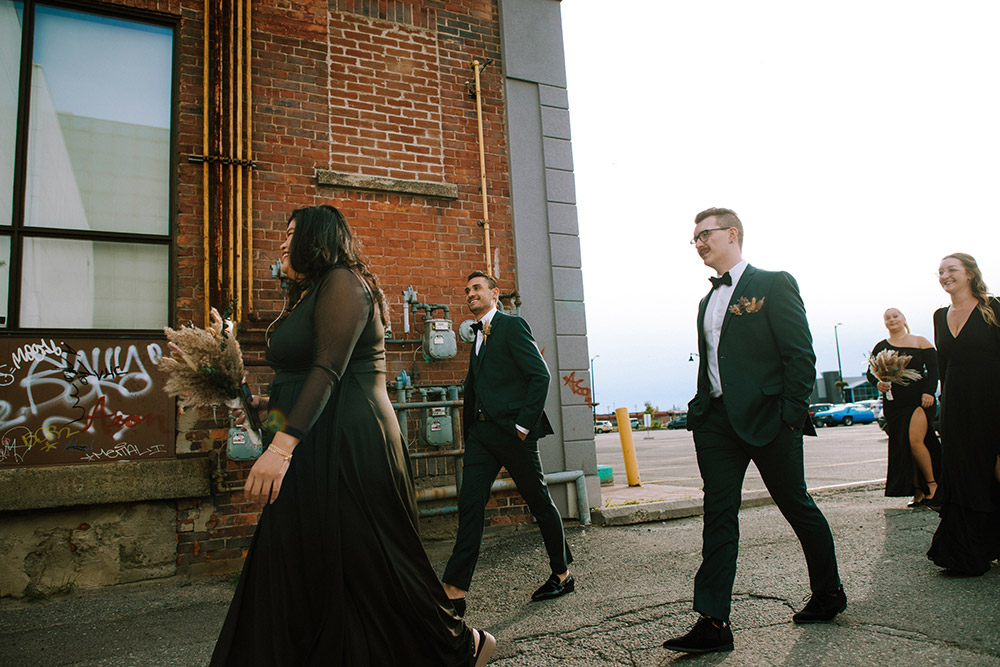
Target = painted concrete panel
(558,154)
(563,219)
(568,284)
(531,31)
(573,352)
(555,123)
(581,455)
(574,387)
(552,96)
(571,318)
(582,420)
(560,186)
(565,250)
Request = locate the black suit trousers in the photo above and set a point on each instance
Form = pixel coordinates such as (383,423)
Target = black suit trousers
(489,447)
(723,458)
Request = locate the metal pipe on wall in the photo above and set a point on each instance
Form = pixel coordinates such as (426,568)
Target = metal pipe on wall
(482,169)
(249,100)
(230,167)
(576,477)
(216,148)
(206,203)
(238,167)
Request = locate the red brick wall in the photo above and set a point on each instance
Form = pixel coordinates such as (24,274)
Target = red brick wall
(367,88)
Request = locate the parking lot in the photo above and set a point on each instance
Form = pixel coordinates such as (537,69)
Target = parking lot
(838,455)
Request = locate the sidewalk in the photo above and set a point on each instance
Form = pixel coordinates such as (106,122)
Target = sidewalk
(633,591)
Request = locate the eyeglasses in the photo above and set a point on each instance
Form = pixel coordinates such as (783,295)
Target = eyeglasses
(705,233)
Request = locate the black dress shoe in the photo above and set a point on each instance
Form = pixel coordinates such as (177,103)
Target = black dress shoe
(822,607)
(554,588)
(708,635)
(459,605)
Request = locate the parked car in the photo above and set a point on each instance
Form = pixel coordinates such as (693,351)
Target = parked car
(634,421)
(603,426)
(818,407)
(678,422)
(844,414)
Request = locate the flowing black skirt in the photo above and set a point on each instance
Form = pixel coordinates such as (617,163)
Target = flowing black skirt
(336,573)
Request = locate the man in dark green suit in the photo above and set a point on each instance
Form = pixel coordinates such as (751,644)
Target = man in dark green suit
(503,419)
(756,371)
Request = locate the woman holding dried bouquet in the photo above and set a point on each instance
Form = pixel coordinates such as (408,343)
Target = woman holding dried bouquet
(967,335)
(336,573)
(908,405)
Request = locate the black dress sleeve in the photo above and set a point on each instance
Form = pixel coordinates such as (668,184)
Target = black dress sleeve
(881,345)
(343,308)
(931,376)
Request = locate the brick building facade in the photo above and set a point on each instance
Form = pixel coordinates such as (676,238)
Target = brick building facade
(274,105)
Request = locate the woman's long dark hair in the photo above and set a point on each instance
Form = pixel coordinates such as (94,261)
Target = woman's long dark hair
(323,240)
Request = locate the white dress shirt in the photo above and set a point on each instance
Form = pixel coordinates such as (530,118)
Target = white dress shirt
(485,319)
(715,313)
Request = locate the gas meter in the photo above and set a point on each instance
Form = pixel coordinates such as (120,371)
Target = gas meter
(439,339)
(436,427)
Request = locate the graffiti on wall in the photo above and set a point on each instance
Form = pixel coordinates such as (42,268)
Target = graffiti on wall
(82,401)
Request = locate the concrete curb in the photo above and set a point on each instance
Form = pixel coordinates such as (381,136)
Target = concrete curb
(664,510)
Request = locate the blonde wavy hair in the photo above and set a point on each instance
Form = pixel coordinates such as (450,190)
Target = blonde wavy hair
(977,285)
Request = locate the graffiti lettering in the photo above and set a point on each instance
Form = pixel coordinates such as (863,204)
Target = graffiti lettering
(46,437)
(118,421)
(10,449)
(34,352)
(59,384)
(64,400)
(123,451)
(576,386)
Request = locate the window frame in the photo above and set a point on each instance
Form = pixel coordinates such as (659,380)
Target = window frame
(17,230)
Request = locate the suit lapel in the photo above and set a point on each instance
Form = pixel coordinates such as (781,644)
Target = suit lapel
(738,291)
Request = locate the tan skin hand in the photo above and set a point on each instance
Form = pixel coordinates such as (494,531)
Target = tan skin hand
(522,436)
(264,481)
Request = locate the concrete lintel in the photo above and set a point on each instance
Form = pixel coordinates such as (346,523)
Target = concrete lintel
(103,483)
(392,185)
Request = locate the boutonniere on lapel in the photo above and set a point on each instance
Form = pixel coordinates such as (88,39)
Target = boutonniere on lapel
(486,332)
(745,305)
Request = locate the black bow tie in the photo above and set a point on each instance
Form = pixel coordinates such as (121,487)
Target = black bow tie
(724,279)
(477,327)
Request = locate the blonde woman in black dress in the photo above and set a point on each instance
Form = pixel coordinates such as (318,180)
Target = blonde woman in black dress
(336,573)
(914,450)
(967,336)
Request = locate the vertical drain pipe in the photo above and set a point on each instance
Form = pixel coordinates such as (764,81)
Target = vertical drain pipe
(482,168)
(249,165)
(230,167)
(238,168)
(204,165)
(217,169)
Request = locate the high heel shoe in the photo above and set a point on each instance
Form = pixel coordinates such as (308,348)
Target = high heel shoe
(917,491)
(482,653)
(932,502)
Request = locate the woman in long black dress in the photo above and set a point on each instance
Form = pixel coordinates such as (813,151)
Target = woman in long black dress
(336,573)
(967,335)
(914,450)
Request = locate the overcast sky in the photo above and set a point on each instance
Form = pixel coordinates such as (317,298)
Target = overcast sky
(857,141)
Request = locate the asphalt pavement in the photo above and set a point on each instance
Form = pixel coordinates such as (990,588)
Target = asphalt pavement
(634,588)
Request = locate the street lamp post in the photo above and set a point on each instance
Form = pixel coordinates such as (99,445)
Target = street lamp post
(593,387)
(840,369)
